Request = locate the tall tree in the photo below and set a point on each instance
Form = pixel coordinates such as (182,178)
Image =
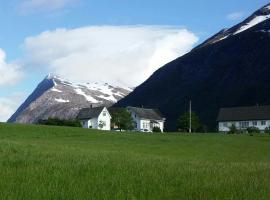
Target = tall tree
(122,118)
(183,122)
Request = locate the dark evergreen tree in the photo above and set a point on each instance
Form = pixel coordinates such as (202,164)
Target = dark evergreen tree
(183,122)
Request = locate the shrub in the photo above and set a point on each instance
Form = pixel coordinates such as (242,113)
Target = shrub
(233,130)
(252,130)
(267,130)
(59,122)
(156,130)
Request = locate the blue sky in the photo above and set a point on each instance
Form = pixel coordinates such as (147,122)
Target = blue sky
(152,27)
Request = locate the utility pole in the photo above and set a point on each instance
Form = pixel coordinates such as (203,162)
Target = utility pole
(190,125)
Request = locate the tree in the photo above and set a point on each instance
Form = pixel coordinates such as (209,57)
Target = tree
(183,122)
(122,118)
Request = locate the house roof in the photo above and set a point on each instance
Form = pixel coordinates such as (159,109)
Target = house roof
(244,113)
(90,113)
(145,113)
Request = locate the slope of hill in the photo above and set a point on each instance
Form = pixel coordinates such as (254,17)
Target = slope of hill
(57,97)
(230,69)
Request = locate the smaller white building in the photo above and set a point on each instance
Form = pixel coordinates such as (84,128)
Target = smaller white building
(95,118)
(244,117)
(146,119)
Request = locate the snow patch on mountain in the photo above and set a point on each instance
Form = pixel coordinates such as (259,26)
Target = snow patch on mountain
(55,90)
(252,23)
(87,97)
(61,100)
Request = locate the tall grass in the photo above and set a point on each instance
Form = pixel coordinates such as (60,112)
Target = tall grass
(39,162)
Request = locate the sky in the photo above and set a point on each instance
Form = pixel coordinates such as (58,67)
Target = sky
(121,42)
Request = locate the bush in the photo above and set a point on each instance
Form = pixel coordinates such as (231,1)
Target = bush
(252,130)
(156,130)
(267,130)
(233,130)
(59,122)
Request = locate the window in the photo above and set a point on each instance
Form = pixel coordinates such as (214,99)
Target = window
(104,113)
(145,125)
(254,123)
(225,124)
(263,123)
(244,124)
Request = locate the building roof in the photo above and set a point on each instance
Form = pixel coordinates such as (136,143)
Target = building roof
(90,113)
(244,113)
(145,113)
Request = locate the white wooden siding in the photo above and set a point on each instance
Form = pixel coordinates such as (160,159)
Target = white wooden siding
(225,126)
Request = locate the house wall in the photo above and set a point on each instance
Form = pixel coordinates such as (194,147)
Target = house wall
(137,121)
(145,125)
(106,119)
(94,123)
(225,126)
(90,123)
(161,125)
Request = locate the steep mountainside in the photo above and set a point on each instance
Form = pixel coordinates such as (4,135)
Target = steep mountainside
(57,97)
(230,69)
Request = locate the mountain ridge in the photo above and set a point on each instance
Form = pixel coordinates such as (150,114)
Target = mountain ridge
(224,73)
(57,97)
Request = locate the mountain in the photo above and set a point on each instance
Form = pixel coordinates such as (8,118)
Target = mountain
(57,97)
(232,68)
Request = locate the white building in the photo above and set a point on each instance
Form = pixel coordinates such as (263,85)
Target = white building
(146,119)
(244,117)
(95,118)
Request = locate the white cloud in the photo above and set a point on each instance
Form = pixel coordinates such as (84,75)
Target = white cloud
(235,16)
(116,54)
(8,105)
(10,72)
(27,6)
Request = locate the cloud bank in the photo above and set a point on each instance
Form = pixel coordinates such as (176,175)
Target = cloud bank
(125,55)
(10,72)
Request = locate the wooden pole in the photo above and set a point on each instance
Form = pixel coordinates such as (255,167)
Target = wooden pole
(190,125)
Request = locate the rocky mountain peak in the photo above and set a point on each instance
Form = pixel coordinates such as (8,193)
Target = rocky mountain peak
(58,97)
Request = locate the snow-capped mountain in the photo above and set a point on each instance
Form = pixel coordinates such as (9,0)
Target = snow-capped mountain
(256,18)
(230,69)
(58,97)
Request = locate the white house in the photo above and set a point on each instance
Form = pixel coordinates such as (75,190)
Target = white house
(95,118)
(244,117)
(146,119)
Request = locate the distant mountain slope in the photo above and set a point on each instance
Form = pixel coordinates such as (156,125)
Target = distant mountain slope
(57,97)
(230,69)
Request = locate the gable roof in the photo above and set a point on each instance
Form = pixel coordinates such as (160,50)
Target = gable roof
(145,113)
(90,113)
(244,113)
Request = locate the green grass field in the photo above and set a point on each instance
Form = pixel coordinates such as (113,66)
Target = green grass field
(38,162)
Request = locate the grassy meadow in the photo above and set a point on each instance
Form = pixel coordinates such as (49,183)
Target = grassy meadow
(40,162)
